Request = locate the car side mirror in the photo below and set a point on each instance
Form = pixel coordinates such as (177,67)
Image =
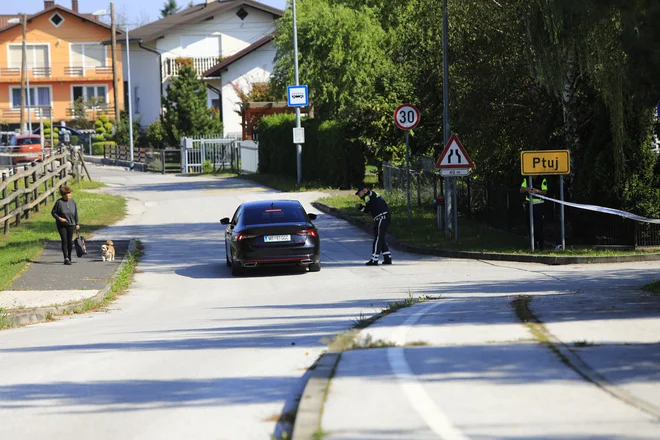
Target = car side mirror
(311,216)
(225,221)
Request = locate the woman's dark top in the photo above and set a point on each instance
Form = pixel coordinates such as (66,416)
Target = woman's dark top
(66,209)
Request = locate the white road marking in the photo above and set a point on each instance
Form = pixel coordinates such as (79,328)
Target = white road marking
(434,417)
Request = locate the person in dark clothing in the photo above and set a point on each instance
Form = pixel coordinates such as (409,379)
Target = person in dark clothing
(539,186)
(376,206)
(65,213)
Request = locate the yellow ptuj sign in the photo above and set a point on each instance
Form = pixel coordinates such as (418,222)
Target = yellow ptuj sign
(545,162)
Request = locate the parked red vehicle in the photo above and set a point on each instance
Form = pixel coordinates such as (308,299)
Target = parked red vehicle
(29,145)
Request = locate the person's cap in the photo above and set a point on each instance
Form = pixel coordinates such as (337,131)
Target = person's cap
(359,188)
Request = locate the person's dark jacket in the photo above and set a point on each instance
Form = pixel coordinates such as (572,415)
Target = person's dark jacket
(67,210)
(374,205)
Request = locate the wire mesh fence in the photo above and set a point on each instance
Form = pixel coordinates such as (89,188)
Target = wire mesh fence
(503,208)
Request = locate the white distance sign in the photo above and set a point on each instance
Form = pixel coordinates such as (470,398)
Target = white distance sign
(406,117)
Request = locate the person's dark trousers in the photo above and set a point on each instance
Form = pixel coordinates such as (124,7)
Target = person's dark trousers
(66,235)
(538,224)
(380,242)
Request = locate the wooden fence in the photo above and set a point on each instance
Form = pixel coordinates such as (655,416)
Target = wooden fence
(40,181)
(153,159)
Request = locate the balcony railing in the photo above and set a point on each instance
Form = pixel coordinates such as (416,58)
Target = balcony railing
(37,72)
(95,111)
(47,72)
(171,66)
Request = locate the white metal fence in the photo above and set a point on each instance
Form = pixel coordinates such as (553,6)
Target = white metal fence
(212,154)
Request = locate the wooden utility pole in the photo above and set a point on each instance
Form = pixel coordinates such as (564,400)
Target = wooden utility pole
(113,26)
(24,73)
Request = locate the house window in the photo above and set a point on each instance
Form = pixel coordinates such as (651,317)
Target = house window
(88,55)
(36,96)
(98,94)
(56,19)
(38,59)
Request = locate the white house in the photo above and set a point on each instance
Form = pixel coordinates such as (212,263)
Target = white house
(229,40)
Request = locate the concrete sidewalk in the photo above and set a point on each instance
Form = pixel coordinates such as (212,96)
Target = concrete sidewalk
(484,374)
(48,282)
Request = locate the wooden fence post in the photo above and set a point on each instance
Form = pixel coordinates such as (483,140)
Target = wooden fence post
(4,196)
(26,185)
(35,192)
(17,200)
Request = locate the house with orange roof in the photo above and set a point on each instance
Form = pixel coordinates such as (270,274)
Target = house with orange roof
(66,61)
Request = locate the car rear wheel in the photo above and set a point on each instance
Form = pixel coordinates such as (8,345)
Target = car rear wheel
(236,268)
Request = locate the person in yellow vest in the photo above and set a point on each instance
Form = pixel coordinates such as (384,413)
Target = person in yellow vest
(539,186)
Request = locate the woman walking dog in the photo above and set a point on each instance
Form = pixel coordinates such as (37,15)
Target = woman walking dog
(65,213)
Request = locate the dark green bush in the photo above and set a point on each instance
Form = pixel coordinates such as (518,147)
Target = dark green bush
(330,155)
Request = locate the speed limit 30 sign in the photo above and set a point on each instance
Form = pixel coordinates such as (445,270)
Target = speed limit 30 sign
(406,117)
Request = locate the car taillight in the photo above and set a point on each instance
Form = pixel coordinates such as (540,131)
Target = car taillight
(241,236)
(309,232)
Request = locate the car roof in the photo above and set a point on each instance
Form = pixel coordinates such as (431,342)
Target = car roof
(268,204)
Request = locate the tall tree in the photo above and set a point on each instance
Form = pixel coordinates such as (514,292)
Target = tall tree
(170,7)
(185,112)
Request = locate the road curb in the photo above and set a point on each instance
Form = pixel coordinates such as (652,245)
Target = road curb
(543,259)
(310,408)
(40,314)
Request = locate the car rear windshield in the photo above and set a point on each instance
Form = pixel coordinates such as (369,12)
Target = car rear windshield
(28,141)
(256,216)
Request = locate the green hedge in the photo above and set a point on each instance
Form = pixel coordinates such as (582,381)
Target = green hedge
(98,148)
(330,155)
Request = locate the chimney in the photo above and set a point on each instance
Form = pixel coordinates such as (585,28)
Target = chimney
(49,4)
(74,5)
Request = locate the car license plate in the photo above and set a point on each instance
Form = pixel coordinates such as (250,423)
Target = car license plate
(276,238)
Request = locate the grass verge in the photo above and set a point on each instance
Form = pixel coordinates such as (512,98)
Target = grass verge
(348,340)
(473,236)
(653,287)
(119,285)
(25,242)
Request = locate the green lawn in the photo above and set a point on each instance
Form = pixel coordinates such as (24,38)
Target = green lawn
(25,242)
(473,236)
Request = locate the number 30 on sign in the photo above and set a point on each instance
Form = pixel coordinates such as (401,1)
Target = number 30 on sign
(406,117)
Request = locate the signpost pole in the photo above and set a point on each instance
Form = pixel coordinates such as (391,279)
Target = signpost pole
(531,212)
(295,65)
(408,175)
(455,210)
(563,224)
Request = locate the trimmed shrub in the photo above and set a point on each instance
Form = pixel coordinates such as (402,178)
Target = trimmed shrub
(98,138)
(104,119)
(98,148)
(108,127)
(75,140)
(331,155)
(98,124)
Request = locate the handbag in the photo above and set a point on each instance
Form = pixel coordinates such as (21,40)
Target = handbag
(79,243)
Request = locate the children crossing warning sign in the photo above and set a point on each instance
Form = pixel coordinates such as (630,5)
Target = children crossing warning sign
(454,155)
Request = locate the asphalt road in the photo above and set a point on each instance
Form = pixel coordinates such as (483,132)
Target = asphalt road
(192,352)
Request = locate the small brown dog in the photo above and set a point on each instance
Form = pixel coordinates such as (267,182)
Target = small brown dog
(108,251)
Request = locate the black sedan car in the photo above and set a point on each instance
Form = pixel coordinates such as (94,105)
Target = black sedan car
(271,233)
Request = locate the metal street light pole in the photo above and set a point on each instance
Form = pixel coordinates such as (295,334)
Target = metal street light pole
(113,27)
(130,95)
(449,203)
(24,73)
(295,66)
(130,99)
